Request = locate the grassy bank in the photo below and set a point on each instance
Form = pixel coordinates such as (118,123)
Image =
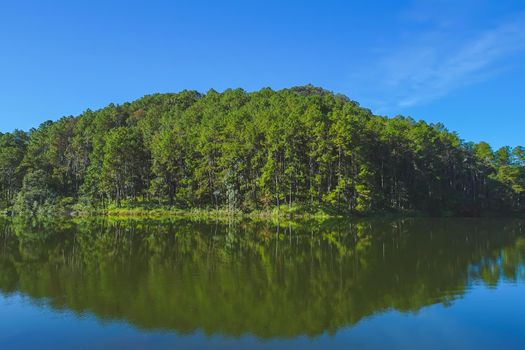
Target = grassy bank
(295,212)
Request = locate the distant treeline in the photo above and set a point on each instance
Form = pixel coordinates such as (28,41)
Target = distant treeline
(303,146)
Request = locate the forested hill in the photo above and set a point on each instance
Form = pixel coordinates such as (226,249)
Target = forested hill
(303,146)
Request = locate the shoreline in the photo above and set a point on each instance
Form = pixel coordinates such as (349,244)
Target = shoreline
(271,214)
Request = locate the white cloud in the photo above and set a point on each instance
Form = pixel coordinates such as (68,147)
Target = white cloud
(434,63)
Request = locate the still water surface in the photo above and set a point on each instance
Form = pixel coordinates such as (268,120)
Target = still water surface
(368,284)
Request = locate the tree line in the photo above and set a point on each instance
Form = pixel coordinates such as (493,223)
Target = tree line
(302,146)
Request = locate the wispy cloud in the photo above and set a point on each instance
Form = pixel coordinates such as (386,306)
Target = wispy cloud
(432,64)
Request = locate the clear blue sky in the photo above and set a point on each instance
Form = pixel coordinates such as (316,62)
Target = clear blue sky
(463,65)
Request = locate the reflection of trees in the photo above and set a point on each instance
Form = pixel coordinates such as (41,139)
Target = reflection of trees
(272,281)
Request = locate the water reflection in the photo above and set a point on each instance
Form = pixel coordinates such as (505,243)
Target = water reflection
(272,281)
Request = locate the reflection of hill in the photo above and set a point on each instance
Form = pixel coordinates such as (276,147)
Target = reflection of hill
(253,278)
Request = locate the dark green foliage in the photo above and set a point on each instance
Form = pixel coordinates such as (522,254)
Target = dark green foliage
(12,150)
(35,193)
(244,151)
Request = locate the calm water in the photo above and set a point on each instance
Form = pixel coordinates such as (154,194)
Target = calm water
(371,284)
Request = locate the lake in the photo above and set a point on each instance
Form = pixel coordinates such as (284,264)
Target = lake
(339,284)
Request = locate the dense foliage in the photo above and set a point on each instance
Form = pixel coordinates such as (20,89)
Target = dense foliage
(302,146)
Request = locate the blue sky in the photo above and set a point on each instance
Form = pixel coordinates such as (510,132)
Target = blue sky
(460,64)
